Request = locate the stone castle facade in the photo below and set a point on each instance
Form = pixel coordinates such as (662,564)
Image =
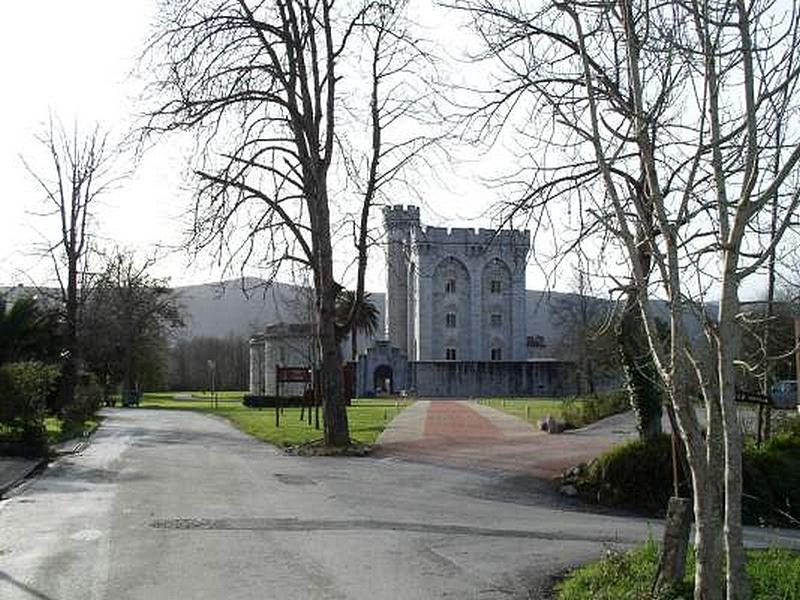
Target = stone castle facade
(454,294)
(455,320)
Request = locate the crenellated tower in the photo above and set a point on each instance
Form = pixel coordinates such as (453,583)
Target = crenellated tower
(402,224)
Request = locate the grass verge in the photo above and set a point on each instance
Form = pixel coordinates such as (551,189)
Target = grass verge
(528,409)
(575,412)
(774,573)
(367,417)
(57,433)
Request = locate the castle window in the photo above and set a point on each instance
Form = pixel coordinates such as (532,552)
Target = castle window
(496,286)
(450,286)
(497,354)
(450,353)
(496,319)
(450,319)
(536,341)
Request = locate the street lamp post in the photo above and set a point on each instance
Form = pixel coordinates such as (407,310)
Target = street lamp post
(212,368)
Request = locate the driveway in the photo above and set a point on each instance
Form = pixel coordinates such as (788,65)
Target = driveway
(468,435)
(169,504)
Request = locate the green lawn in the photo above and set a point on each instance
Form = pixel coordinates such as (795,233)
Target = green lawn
(367,418)
(529,409)
(576,412)
(774,574)
(57,434)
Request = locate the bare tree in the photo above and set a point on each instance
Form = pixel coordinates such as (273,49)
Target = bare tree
(272,91)
(660,129)
(80,171)
(586,335)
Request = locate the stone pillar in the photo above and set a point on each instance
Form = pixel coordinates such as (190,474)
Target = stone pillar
(411,313)
(519,319)
(519,311)
(476,312)
(256,366)
(424,325)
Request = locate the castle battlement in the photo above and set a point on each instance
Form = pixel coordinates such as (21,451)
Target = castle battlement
(477,237)
(401,215)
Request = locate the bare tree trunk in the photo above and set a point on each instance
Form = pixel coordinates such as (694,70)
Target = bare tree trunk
(69,370)
(736,573)
(337,432)
(705,460)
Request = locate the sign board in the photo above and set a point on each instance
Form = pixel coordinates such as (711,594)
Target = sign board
(293,374)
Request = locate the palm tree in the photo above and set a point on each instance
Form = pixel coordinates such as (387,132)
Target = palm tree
(365,320)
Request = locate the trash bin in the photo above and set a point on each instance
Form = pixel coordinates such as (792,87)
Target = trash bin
(131,398)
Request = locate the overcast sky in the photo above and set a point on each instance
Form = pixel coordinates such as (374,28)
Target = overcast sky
(73,59)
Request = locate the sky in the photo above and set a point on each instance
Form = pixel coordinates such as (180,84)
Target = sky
(73,60)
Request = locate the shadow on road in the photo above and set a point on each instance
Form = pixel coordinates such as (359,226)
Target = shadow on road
(5,577)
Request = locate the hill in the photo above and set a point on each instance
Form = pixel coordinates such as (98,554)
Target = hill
(243,307)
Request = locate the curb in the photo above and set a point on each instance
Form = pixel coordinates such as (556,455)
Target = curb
(73,446)
(34,470)
(66,448)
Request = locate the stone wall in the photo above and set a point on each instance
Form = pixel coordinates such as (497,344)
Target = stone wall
(484,379)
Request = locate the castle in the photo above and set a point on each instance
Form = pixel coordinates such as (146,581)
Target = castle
(455,320)
(455,317)
(455,294)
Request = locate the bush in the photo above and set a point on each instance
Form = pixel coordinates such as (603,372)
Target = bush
(594,408)
(24,388)
(638,475)
(772,481)
(87,401)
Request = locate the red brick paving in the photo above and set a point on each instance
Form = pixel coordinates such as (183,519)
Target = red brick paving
(455,434)
(458,422)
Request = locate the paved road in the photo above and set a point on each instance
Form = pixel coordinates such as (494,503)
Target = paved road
(167,504)
(468,435)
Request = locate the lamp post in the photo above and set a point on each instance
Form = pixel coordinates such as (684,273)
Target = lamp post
(212,369)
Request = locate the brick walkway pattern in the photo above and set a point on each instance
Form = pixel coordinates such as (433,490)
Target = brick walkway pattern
(465,434)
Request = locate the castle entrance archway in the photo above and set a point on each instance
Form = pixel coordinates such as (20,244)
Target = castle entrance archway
(382,380)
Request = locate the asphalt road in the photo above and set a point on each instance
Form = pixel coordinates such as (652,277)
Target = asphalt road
(176,505)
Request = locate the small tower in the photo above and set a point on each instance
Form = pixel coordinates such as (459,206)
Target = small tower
(399,222)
